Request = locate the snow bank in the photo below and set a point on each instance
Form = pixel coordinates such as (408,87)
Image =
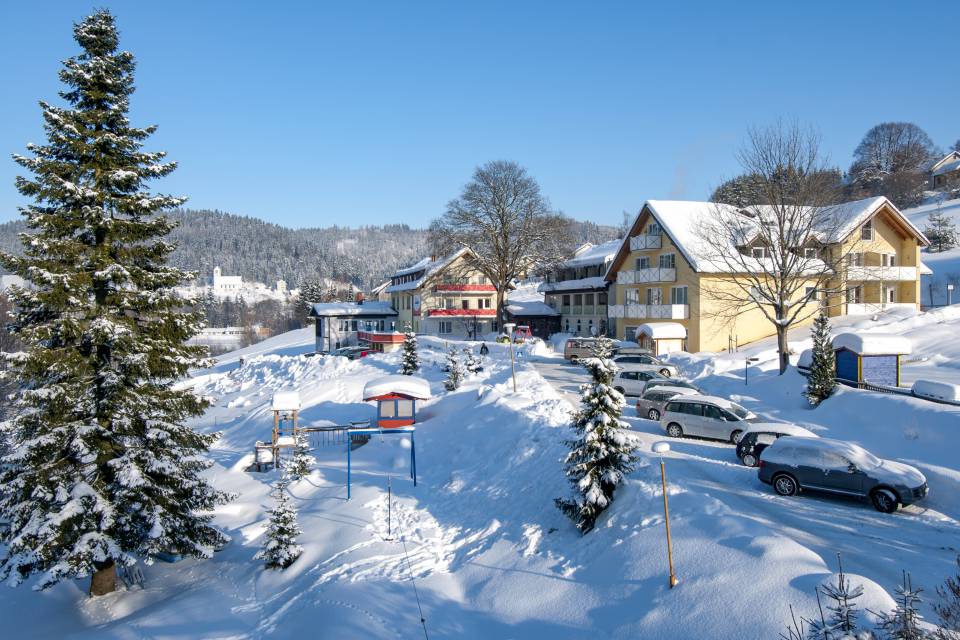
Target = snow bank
(662,330)
(937,390)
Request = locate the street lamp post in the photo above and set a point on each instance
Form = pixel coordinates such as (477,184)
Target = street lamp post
(660,448)
(509,327)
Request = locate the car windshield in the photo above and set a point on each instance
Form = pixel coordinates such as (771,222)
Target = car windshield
(864,459)
(738,411)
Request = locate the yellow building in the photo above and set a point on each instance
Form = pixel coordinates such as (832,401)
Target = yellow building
(446,297)
(663,281)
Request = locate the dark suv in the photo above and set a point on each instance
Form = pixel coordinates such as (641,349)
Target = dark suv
(821,464)
(761,435)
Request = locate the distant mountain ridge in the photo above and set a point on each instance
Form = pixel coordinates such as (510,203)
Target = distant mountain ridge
(265,252)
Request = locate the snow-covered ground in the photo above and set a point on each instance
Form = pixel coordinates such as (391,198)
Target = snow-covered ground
(945,265)
(479,539)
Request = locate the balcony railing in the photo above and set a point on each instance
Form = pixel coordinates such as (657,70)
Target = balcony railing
(653,311)
(642,276)
(461,313)
(893,274)
(643,242)
(451,287)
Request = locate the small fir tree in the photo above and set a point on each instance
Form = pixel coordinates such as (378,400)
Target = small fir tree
(603,452)
(470,361)
(822,380)
(411,361)
(301,462)
(905,621)
(455,372)
(842,619)
(948,607)
(103,469)
(940,231)
(280,548)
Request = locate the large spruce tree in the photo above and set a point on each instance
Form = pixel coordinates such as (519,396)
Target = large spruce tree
(822,379)
(102,469)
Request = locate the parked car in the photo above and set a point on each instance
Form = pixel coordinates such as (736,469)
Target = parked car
(577,348)
(643,362)
(352,353)
(630,383)
(670,382)
(705,416)
(651,402)
(759,435)
(792,465)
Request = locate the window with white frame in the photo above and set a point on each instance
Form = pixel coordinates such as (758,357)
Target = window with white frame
(855,259)
(643,262)
(654,296)
(445,327)
(810,253)
(888,259)
(855,295)
(653,229)
(866,231)
(758,252)
(633,296)
(809,293)
(678,295)
(668,261)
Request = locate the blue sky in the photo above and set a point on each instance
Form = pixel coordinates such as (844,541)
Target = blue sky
(313,114)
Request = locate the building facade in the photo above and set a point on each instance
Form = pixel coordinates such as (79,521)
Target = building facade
(945,172)
(660,275)
(347,324)
(445,297)
(578,291)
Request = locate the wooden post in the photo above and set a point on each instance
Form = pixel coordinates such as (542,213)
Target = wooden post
(666,516)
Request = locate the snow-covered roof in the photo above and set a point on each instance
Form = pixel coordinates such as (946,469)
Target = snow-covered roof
(595,282)
(662,330)
(947,168)
(951,157)
(411,386)
(850,215)
(592,254)
(783,428)
(872,344)
(286,401)
(527,300)
(428,266)
(677,391)
(925,270)
(723,403)
(352,309)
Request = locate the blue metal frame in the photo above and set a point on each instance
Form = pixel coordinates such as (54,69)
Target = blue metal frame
(393,431)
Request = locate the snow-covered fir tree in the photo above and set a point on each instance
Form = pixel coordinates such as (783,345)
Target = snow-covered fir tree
(822,380)
(455,371)
(280,548)
(905,621)
(411,361)
(842,616)
(603,452)
(940,231)
(311,292)
(471,362)
(301,463)
(103,469)
(948,606)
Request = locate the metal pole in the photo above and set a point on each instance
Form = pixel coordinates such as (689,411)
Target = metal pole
(389,507)
(413,459)
(666,516)
(348,465)
(746,372)
(513,368)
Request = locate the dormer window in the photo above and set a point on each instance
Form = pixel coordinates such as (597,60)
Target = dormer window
(866,231)
(759,252)
(810,253)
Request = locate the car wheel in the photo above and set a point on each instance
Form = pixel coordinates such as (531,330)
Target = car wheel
(665,373)
(749,460)
(653,414)
(736,435)
(785,485)
(884,500)
(674,430)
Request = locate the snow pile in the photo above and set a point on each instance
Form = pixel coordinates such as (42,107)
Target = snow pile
(411,386)
(872,344)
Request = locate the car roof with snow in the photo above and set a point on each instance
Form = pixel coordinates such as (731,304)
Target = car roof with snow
(720,402)
(783,428)
(849,450)
(663,388)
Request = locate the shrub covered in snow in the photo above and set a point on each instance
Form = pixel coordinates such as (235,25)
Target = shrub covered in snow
(603,452)
(471,362)
(455,370)
(280,548)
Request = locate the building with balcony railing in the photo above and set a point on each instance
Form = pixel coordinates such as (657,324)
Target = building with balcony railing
(577,290)
(662,273)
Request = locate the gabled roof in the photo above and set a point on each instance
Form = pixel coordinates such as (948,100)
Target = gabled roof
(947,168)
(588,254)
(680,219)
(950,158)
(428,266)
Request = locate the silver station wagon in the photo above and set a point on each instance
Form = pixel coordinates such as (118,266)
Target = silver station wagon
(706,417)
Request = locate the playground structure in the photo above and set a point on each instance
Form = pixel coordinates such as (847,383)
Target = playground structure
(286,410)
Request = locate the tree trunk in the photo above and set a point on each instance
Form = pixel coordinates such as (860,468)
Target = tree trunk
(104,580)
(783,348)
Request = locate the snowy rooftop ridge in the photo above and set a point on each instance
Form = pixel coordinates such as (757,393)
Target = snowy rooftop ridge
(410,386)
(428,265)
(592,254)
(873,344)
(333,309)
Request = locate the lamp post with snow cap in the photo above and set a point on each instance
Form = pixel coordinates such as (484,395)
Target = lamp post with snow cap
(746,369)
(660,448)
(509,327)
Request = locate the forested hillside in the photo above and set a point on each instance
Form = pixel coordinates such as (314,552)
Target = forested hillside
(265,252)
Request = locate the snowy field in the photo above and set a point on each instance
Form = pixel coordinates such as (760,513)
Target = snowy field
(486,550)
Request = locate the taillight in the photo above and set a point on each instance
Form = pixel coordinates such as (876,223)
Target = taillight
(759,464)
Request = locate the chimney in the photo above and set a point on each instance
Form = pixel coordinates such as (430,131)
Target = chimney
(359,297)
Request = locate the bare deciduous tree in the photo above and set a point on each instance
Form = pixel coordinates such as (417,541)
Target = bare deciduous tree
(890,161)
(508,224)
(775,256)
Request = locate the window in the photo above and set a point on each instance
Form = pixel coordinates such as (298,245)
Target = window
(809,293)
(889,259)
(691,408)
(810,253)
(654,295)
(758,252)
(643,262)
(404,408)
(466,304)
(588,299)
(388,409)
(602,298)
(446,327)
(710,411)
(678,295)
(855,295)
(866,231)
(855,259)
(577,299)
(653,229)
(668,261)
(484,303)
(448,303)
(890,294)
(633,296)
(566,300)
